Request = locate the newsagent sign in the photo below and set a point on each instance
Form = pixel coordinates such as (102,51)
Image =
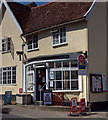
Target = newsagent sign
(47,97)
(81,65)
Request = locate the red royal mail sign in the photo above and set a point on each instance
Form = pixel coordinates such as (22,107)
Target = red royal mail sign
(82,105)
(20,90)
(81,58)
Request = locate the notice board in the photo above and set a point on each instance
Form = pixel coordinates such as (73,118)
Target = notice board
(96,85)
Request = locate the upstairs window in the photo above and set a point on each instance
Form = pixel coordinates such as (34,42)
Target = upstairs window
(59,36)
(6,45)
(32,42)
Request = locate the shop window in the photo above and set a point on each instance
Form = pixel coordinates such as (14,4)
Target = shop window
(65,78)
(32,42)
(59,36)
(8,75)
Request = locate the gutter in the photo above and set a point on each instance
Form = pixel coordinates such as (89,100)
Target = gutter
(81,19)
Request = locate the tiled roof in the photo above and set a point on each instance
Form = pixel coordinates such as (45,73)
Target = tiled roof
(54,14)
(21,12)
(48,15)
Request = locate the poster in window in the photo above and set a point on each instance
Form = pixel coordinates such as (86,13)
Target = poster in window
(96,83)
(51,75)
(51,84)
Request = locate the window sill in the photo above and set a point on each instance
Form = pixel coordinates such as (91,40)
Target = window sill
(8,84)
(33,50)
(61,44)
(28,91)
(6,52)
(66,90)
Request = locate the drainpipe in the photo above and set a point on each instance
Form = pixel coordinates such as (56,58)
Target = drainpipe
(22,59)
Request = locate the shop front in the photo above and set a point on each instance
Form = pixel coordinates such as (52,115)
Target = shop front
(59,75)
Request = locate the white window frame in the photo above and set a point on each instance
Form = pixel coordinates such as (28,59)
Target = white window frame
(67,69)
(26,89)
(6,44)
(7,75)
(47,80)
(25,78)
(58,44)
(33,48)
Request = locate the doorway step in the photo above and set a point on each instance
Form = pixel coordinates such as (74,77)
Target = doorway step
(38,102)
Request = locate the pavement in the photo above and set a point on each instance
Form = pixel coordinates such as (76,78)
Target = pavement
(33,111)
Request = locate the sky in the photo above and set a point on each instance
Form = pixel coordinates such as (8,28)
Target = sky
(38,3)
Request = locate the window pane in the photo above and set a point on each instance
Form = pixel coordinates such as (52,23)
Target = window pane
(74,63)
(62,35)
(30,81)
(14,75)
(51,64)
(74,85)
(8,44)
(4,77)
(35,45)
(58,64)
(65,63)
(58,75)
(66,85)
(74,74)
(66,75)
(58,85)
(56,37)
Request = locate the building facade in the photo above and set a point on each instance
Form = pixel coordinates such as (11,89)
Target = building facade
(42,50)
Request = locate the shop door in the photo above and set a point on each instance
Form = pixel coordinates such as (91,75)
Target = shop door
(40,82)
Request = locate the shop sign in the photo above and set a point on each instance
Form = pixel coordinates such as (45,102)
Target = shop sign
(8,96)
(81,58)
(82,105)
(81,65)
(47,97)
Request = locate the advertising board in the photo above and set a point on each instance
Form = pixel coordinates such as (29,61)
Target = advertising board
(8,96)
(47,97)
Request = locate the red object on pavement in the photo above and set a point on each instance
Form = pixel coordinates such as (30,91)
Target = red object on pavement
(73,105)
(82,107)
(81,58)
(20,90)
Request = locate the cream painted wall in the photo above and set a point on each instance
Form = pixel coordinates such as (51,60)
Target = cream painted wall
(97,46)
(76,39)
(9,29)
